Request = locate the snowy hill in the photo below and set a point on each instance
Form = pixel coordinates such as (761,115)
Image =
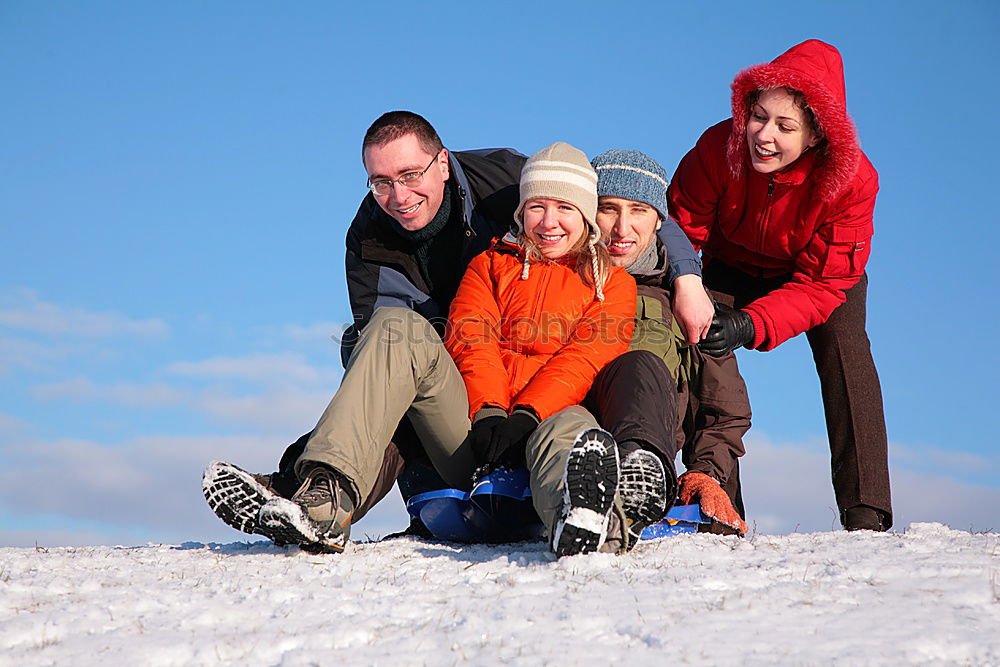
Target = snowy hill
(930,595)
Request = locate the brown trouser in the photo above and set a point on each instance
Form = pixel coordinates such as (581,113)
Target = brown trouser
(400,367)
(852,395)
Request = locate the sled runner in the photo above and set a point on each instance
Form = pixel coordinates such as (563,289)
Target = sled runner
(499,510)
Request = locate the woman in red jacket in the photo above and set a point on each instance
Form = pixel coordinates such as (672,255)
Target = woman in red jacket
(535,318)
(779,199)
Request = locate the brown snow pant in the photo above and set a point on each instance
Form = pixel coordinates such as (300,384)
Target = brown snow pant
(852,395)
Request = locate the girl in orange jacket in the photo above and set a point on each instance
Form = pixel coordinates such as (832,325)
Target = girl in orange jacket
(535,318)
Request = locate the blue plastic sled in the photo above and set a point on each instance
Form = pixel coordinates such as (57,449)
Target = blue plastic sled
(499,509)
(680,519)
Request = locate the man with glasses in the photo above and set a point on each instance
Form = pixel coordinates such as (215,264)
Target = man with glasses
(428,213)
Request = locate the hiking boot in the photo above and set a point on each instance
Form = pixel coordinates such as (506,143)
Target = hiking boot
(318,516)
(716,527)
(589,485)
(415,529)
(236,495)
(863,517)
(643,492)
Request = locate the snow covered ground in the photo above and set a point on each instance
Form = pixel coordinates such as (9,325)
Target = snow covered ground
(929,595)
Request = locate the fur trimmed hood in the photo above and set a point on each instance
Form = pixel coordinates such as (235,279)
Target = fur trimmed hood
(816,69)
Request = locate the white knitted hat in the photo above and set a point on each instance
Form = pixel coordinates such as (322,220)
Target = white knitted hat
(562,172)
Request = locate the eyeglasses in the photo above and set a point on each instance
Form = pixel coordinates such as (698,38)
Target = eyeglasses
(410,179)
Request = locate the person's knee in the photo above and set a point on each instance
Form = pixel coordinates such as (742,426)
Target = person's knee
(570,419)
(635,359)
(400,326)
(560,428)
(394,318)
(637,366)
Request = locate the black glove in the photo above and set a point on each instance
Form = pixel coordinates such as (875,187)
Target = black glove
(509,439)
(482,434)
(730,329)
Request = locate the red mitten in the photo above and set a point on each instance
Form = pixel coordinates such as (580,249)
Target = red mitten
(699,487)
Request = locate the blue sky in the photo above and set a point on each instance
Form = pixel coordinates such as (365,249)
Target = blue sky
(176,180)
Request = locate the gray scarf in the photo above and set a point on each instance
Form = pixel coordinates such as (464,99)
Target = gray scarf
(647,263)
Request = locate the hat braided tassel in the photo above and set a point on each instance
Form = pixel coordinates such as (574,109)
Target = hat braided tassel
(593,269)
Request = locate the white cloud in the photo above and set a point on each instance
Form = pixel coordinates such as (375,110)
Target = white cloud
(11,424)
(149,486)
(23,309)
(321,331)
(788,488)
(280,409)
(32,355)
(271,369)
(139,395)
(928,459)
(144,489)
(290,410)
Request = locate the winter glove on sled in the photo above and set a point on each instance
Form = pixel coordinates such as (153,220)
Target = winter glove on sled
(730,329)
(482,434)
(509,439)
(699,487)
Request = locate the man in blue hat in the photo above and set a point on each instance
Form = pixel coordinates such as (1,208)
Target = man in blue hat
(665,394)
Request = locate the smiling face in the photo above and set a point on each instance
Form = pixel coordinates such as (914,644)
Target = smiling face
(553,225)
(412,207)
(778,131)
(628,226)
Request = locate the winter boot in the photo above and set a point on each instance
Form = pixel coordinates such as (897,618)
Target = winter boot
(862,517)
(318,516)
(235,495)
(643,492)
(589,486)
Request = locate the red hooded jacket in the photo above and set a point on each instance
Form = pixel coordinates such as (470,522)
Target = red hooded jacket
(812,220)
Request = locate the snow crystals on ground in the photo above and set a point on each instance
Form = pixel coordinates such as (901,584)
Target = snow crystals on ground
(930,595)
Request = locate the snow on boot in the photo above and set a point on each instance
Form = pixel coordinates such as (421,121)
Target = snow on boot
(643,491)
(318,516)
(589,485)
(235,495)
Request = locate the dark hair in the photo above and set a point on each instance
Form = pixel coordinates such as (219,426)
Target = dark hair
(395,124)
(800,101)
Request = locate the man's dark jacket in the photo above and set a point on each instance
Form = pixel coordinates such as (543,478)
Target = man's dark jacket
(382,268)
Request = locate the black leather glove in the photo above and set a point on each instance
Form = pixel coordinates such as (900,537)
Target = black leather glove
(730,329)
(510,437)
(482,434)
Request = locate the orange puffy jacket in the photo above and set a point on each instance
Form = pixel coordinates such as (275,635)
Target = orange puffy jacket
(538,342)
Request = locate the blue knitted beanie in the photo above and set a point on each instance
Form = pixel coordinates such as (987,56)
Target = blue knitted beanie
(632,175)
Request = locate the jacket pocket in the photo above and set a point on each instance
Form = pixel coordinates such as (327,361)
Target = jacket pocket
(846,253)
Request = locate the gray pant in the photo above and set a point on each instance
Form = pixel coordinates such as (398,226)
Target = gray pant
(546,453)
(400,367)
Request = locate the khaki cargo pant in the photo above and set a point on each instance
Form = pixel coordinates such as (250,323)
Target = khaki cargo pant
(400,367)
